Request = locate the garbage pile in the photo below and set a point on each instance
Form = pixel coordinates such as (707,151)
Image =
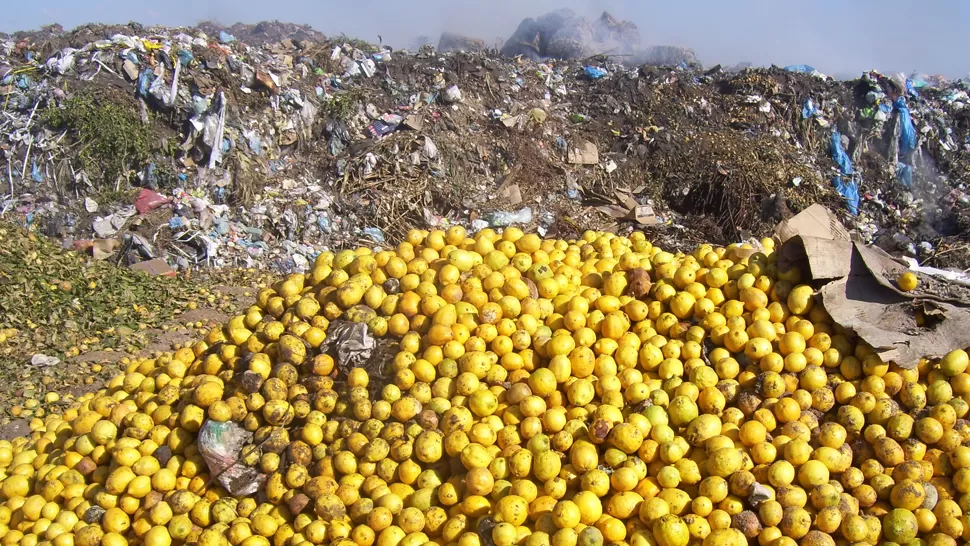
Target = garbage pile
(232,147)
(562,34)
(450,41)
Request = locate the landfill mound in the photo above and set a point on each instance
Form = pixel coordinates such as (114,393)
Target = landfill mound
(666,56)
(561,34)
(450,41)
(53,37)
(203,149)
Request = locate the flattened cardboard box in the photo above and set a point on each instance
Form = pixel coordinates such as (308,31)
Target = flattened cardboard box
(157,266)
(858,291)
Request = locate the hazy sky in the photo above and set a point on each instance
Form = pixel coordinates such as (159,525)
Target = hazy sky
(836,36)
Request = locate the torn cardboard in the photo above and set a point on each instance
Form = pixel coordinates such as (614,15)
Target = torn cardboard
(643,215)
(859,291)
(816,242)
(821,259)
(157,266)
(627,208)
(510,121)
(512,193)
(899,329)
(102,249)
(585,154)
(815,221)
(414,122)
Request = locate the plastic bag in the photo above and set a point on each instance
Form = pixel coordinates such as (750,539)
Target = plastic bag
(810,110)
(374,234)
(145,81)
(905,174)
(222,445)
(845,184)
(919,80)
(148,201)
(36,174)
(451,94)
(839,155)
(907,132)
(595,72)
(911,88)
(352,341)
(503,218)
(849,189)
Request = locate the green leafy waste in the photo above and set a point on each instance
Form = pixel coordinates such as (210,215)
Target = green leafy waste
(57,298)
(111,137)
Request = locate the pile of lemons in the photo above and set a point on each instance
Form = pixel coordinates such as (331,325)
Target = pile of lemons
(539,392)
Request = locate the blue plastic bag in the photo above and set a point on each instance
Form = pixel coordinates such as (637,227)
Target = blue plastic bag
(185,57)
(595,72)
(918,82)
(800,68)
(845,184)
(849,189)
(839,155)
(904,173)
(911,88)
(907,132)
(810,110)
(36,174)
(225,37)
(375,234)
(145,82)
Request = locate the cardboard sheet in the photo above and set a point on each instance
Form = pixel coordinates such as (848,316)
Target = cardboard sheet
(625,207)
(858,289)
(891,323)
(815,221)
(585,153)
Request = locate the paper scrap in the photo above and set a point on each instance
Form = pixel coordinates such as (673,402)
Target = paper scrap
(585,154)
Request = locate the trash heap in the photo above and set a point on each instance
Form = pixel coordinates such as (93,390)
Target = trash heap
(263,145)
(563,34)
(504,389)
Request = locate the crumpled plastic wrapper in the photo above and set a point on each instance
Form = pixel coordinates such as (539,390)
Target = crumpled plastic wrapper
(352,341)
(41,360)
(221,445)
(759,494)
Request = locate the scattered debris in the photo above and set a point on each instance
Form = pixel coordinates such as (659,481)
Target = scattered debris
(44,360)
(223,445)
(858,291)
(157,266)
(352,342)
(261,146)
